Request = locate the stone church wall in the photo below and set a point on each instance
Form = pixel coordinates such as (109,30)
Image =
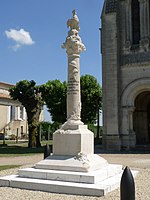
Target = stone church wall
(125,73)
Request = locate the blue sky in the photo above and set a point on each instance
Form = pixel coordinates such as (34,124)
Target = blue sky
(31,34)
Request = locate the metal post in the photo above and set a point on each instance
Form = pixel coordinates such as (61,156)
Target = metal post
(48,132)
(4,137)
(46,151)
(51,148)
(17,135)
(127,186)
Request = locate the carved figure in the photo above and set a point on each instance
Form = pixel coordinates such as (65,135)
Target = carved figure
(73,23)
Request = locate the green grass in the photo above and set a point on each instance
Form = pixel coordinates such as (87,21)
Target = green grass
(4,167)
(11,149)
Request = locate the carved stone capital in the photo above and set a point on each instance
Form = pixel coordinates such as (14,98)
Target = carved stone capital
(142,1)
(127,47)
(131,109)
(144,44)
(73,43)
(128,2)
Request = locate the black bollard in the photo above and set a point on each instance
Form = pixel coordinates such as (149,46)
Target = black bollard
(127,186)
(46,151)
(51,148)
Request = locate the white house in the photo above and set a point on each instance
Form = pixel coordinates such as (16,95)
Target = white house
(13,118)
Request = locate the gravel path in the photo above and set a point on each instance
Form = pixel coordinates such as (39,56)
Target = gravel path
(140,162)
(21,160)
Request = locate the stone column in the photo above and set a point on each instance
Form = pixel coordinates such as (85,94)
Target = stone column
(130,113)
(132,137)
(74,47)
(128,31)
(128,136)
(144,24)
(73,88)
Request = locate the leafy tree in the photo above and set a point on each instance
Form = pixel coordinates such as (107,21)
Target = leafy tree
(54,94)
(91,97)
(47,129)
(28,94)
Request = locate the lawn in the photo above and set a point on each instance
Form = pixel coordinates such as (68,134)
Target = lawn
(11,148)
(4,167)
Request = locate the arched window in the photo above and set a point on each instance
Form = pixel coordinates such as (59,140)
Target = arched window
(135,21)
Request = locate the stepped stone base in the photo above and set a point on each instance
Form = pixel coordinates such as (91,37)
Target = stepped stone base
(95,183)
(80,163)
(80,172)
(69,176)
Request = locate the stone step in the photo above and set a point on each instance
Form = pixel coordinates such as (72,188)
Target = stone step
(69,176)
(78,163)
(97,189)
(142,148)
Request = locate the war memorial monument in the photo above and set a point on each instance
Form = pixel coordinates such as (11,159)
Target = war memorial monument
(72,168)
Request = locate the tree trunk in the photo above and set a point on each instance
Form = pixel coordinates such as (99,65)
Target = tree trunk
(38,137)
(34,136)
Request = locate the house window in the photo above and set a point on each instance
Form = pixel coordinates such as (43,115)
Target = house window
(135,22)
(11,113)
(21,112)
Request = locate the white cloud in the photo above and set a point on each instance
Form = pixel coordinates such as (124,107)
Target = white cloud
(21,37)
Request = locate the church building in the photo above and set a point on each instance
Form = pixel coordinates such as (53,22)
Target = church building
(125,46)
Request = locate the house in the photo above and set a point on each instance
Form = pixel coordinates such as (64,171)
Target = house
(13,118)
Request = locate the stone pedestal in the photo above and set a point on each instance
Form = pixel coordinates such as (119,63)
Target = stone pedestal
(77,139)
(73,150)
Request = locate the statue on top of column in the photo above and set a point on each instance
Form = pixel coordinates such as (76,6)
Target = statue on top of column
(73,23)
(73,43)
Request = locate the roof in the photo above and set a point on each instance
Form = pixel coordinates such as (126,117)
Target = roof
(6,85)
(4,93)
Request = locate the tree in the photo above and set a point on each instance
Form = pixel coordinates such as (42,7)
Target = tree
(47,129)
(28,94)
(91,97)
(54,94)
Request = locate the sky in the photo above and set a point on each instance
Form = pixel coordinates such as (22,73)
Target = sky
(31,35)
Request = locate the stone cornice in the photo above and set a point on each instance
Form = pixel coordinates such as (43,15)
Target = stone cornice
(135,58)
